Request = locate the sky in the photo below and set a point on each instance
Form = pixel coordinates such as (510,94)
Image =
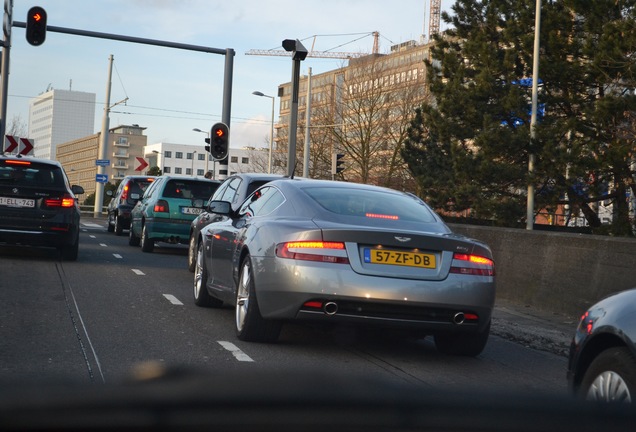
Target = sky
(172,91)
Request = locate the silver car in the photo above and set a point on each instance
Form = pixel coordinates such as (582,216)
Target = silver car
(338,252)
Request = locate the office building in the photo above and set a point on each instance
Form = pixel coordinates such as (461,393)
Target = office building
(59,116)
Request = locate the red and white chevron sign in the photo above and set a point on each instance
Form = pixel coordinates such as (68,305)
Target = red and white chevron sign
(17,145)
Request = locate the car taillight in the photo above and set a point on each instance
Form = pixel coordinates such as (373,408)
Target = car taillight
(161,206)
(332,252)
(65,201)
(124,193)
(475,265)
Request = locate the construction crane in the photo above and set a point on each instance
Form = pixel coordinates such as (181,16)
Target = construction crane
(320,54)
(434,19)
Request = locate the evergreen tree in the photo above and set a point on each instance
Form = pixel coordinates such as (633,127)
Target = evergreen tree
(469,149)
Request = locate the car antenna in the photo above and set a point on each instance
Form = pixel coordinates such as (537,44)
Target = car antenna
(292,174)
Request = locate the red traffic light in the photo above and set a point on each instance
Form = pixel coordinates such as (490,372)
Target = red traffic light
(36,26)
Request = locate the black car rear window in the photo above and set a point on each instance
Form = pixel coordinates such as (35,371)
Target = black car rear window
(31,175)
(371,204)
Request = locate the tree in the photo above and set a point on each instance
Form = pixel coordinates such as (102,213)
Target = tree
(17,127)
(154,171)
(473,140)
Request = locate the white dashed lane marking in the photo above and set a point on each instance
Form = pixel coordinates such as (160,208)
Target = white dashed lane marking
(236,351)
(138,272)
(172,299)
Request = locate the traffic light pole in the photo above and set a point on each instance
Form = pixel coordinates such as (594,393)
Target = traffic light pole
(227,79)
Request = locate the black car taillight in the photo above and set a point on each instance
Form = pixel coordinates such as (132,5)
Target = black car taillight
(65,201)
(161,206)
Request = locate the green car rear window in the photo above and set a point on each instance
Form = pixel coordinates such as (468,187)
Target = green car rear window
(189,189)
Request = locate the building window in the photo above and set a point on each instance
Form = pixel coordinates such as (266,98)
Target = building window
(189,156)
(201,156)
(245,160)
(188,171)
(199,172)
(167,154)
(178,171)
(178,155)
(166,170)
(234,159)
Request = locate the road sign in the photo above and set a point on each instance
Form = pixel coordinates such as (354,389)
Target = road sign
(101,178)
(17,145)
(142,164)
(102,162)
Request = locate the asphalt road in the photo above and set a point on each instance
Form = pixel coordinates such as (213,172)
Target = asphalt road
(99,319)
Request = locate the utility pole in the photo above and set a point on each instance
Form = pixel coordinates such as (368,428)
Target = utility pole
(103,143)
(307,127)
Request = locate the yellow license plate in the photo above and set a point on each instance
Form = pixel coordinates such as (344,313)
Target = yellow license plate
(401,258)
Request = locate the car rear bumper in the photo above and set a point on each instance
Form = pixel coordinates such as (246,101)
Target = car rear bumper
(362,299)
(52,236)
(170,232)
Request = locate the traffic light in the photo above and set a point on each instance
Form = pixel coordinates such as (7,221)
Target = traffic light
(219,141)
(36,26)
(337,163)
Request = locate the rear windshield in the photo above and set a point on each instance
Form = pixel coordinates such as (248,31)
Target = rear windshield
(189,189)
(371,204)
(31,174)
(139,186)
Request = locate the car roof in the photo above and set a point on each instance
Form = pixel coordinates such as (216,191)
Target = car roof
(31,159)
(257,176)
(300,182)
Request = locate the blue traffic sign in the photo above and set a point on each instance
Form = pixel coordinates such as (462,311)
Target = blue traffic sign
(101,178)
(102,162)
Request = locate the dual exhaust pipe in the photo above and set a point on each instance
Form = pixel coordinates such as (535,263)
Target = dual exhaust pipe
(331,308)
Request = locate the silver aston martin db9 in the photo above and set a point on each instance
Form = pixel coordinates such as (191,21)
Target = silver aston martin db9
(345,253)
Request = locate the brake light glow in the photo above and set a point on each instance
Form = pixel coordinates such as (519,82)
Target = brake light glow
(17,162)
(65,201)
(161,206)
(381,216)
(332,252)
(484,266)
(124,194)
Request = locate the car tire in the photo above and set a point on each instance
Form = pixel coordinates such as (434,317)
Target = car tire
(611,377)
(201,295)
(250,324)
(462,344)
(118,226)
(192,253)
(70,252)
(147,244)
(133,240)
(109,225)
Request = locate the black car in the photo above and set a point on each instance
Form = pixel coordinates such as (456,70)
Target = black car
(602,361)
(234,189)
(38,207)
(129,191)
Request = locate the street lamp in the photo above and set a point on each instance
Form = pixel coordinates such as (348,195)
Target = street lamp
(271,132)
(207,156)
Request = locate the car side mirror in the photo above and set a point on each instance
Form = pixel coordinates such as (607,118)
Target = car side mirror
(77,189)
(220,207)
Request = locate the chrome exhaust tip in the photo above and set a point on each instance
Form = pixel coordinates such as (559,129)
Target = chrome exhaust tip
(330,308)
(459,318)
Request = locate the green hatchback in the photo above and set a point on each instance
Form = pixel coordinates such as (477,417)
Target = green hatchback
(167,208)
